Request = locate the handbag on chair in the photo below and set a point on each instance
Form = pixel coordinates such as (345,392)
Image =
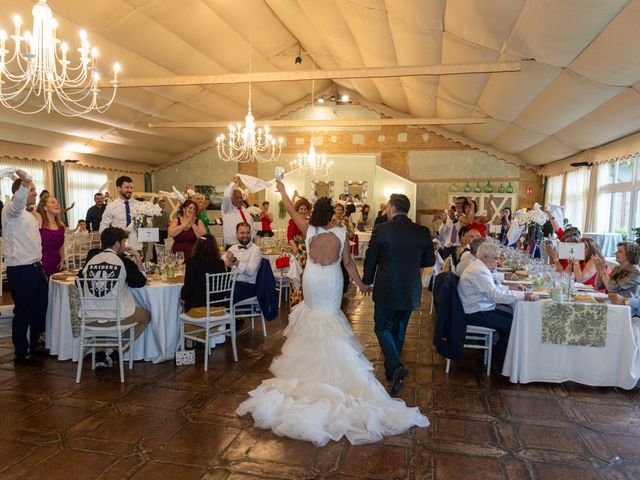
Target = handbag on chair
(282,262)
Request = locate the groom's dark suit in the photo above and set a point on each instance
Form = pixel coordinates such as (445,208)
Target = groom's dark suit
(397,250)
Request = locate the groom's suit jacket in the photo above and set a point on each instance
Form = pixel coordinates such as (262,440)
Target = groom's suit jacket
(397,250)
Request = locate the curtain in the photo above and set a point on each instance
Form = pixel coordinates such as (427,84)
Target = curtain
(59,188)
(554,190)
(576,197)
(83,183)
(40,172)
(148,187)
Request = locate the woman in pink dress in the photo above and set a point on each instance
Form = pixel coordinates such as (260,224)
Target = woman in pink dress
(186,229)
(52,234)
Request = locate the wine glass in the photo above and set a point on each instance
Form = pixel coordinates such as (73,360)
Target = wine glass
(180,258)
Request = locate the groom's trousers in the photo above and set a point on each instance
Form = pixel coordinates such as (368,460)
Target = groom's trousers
(390,328)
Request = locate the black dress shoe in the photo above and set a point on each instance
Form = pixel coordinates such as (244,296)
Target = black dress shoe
(26,360)
(398,378)
(39,349)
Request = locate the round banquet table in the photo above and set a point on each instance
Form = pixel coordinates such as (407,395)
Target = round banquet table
(159,341)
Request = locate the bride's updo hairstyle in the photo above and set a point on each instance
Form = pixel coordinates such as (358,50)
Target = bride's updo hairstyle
(322,213)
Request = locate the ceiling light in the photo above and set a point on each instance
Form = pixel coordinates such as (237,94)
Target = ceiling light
(248,144)
(320,100)
(344,98)
(298,60)
(37,76)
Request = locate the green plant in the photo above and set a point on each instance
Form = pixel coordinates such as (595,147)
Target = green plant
(636,232)
(623,233)
(282,212)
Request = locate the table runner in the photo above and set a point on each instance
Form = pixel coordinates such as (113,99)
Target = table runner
(574,324)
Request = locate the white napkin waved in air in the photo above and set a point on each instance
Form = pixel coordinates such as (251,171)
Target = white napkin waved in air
(254,184)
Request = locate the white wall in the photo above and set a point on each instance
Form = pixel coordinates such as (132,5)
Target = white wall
(387,183)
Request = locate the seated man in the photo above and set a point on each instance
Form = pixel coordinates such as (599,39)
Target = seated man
(245,257)
(466,259)
(479,295)
(112,263)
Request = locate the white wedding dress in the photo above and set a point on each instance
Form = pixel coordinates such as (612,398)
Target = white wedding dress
(323,386)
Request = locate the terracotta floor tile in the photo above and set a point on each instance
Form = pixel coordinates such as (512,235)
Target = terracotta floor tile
(550,438)
(55,418)
(169,422)
(168,471)
(449,466)
(375,461)
(203,439)
(72,464)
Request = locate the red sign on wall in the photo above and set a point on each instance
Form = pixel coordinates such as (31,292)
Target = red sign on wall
(529,191)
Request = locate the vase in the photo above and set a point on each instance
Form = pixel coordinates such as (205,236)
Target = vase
(509,188)
(501,188)
(467,188)
(488,188)
(477,188)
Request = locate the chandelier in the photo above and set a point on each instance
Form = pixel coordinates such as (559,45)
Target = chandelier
(312,163)
(38,76)
(248,144)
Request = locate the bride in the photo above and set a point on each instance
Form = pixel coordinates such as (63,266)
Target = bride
(323,386)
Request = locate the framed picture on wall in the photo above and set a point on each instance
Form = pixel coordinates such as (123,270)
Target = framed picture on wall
(215,195)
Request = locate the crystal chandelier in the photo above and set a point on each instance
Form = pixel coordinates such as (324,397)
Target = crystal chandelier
(312,163)
(38,77)
(248,144)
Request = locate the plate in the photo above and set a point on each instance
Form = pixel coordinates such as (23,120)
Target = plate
(517,282)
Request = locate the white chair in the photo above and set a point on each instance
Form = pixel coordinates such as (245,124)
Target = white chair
(220,288)
(6,319)
(484,338)
(283,284)
(250,308)
(105,309)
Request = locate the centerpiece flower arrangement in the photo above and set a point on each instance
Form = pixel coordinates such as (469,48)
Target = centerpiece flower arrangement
(142,211)
(532,220)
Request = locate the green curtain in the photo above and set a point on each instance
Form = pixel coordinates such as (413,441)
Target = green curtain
(148,187)
(59,188)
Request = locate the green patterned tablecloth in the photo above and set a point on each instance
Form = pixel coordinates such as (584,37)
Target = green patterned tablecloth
(574,324)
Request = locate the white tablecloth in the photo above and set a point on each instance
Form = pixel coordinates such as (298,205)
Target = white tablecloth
(530,360)
(363,243)
(159,341)
(292,272)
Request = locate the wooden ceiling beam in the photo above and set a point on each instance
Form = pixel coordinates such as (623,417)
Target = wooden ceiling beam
(369,122)
(295,76)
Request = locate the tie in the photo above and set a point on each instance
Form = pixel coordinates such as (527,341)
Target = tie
(127,212)
(243,247)
(244,219)
(454,234)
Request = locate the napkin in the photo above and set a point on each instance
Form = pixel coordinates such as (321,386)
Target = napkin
(254,184)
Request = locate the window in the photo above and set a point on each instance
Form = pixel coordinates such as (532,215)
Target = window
(575,197)
(82,184)
(554,190)
(617,199)
(38,171)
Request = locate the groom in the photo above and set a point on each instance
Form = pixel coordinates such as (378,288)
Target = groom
(397,250)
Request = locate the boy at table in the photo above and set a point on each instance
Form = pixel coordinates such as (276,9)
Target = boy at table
(111,262)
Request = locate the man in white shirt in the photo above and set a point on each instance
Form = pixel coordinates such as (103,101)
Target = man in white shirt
(479,295)
(22,256)
(118,211)
(111,262)
(245,257)
(471,255)
(233,213)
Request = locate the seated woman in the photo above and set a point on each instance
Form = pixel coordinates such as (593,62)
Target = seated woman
(186,229)
(205,259)
(625,278)
(362,220)
(584,271)
(571,235)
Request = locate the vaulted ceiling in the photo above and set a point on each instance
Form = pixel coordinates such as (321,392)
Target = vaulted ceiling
(578,88)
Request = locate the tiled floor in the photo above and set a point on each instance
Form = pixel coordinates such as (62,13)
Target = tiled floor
(179,423)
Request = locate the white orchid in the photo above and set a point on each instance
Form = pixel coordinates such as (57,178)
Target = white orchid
(141,210)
